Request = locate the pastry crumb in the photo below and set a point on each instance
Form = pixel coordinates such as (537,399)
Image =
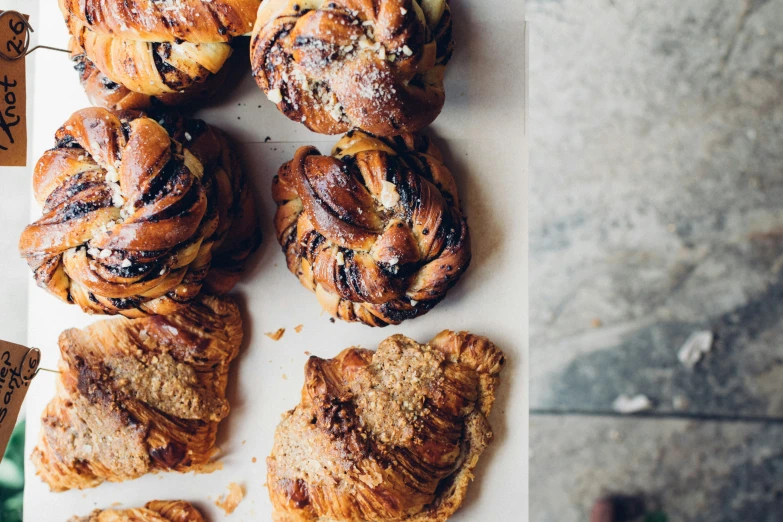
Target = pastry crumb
(275,336)
(285,377)
(230,501)
(254,460)
(209,467)
(298,328)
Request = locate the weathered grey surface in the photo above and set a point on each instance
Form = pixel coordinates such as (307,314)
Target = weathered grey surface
(656,203)
(656,139)
(691,471)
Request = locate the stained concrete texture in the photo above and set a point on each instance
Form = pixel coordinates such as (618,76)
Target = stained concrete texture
(656,143)
(687,470)
(656,203)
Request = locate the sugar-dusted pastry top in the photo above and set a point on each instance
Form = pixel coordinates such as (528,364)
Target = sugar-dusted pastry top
(159,47)
(391,435)
(139,395)
(139,213)
(155,511)
(375,229)
(335,65)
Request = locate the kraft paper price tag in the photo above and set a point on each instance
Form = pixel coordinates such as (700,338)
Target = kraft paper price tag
(13,98)
(18,366)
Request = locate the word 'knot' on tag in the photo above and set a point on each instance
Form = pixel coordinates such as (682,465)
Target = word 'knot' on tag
(14,40)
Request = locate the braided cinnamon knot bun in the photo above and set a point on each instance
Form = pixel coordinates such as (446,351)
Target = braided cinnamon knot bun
(138,214)
(154,511)
(158,47)
(338,64)
(392,435)
(103,92)
(375,230)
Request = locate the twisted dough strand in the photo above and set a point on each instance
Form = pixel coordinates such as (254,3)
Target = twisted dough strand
(375,229)
(131,217)
(372,64)
(158,47)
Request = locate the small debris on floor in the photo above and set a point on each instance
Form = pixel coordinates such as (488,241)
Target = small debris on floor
(635,404)
(298,328)
(596,323)
(229,502)
(275,336)
(695,347)
(680,402)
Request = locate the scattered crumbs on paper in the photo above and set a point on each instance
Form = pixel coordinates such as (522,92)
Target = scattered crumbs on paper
(307,353)
(596,323)
(253,460)
(298,328)
(635,404)
(275,336)
(331,319)
(243,442)
(230,501)
(285,377)
(209,467)
(695,347)
(115,504)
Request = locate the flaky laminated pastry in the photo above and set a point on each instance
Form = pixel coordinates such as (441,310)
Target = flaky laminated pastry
(375,229)
(136,396)
(334,65)
(392,435)
(154,511)
(138,213)
(158,48)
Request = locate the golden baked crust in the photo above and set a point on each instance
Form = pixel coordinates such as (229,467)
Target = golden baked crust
(103,92)
(158,47)
(138,212)
(155,511)
(374,230)
(391,435)
(338,64)
(139,395)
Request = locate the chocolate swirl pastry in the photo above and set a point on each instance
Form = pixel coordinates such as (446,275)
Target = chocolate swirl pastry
(392,435)
(103,92)
(158,47)
(138,213)
(375,229)
(155,511)
(338,64)
(139,395)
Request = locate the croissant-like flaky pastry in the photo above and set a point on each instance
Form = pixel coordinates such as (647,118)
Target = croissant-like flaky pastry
(138,213)
(338,64)
(103,92)
(139,395)
(374,230)
(155,511)
(391,435)
(158,47)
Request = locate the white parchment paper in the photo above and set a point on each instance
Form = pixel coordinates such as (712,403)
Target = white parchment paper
(482,135)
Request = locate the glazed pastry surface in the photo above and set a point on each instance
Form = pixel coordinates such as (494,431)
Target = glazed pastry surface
(136,396)
(158,47)
(138,213)
(155,511)
(375,229)
(391,435)
(335,65)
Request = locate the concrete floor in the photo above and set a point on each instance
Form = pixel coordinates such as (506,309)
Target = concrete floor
(657,211)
